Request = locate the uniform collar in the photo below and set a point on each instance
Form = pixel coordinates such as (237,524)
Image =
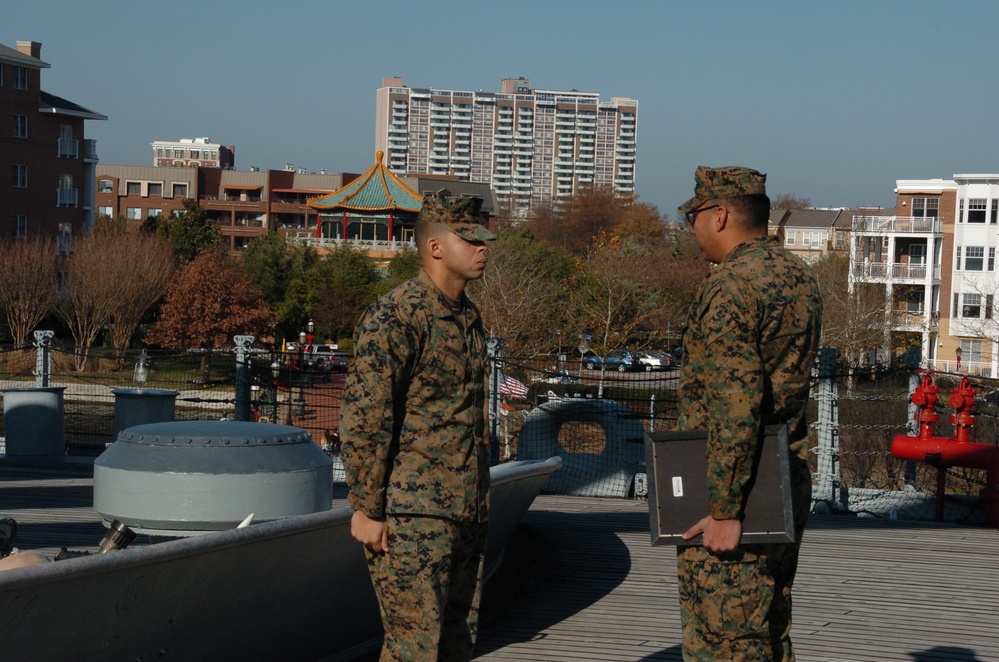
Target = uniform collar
(751,244)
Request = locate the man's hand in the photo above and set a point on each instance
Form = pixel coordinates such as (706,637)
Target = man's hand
(372,533)
(721,536)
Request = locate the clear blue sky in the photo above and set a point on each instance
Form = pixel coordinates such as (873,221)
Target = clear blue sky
(834,100)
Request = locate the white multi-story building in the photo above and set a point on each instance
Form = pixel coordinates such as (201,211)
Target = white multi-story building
(532,146)
(190,152)
(936,258)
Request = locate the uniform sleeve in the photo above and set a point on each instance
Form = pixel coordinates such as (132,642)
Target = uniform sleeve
(733,395)
(371,413)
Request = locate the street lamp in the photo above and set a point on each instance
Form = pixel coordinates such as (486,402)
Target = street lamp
(957,353)
(304,340)
(276,373)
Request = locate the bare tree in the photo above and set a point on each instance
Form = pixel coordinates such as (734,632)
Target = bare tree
(86,299)
(613,299)
(523,294)
(790,201)
(853,322)
(29,274)
(144,264)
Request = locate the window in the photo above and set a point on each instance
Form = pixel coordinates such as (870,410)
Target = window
(790,239)
(971,305)
(133,188)
(19,223)
(976,210)
(20,126)
(154,212)
(995,212)
(64,230)
(155,189)
(971,351)
(134,213)
(957,260)
(992,258)
(917,254)
(915,304)
(105,211)
(925,207)
(974,258)
(20,176)
(105,186)
(20,78)
(180,190)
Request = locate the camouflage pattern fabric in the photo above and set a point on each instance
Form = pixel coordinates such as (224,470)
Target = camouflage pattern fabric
(738,607)
(459,214)
(720,183)
(413,413)
(751,340)
(428,587)
(414,451)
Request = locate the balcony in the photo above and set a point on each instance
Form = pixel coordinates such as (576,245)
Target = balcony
(90,151)
(894,271)
(897,224)
(305,239)
(913,320)
(67,197)
(68,147)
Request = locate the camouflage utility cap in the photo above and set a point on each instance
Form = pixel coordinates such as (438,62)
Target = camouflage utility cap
(459,214)
(720,183)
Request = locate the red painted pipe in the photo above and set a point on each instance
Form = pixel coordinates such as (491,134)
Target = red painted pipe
(943,452)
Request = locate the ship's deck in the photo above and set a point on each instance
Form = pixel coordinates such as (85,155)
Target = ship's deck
(581,582)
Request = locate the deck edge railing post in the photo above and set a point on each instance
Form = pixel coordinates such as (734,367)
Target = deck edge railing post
(43,358)
(242,405)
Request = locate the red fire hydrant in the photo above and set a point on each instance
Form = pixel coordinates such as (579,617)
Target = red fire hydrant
(943,452)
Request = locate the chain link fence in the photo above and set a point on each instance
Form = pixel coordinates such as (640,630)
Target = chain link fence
(538,408)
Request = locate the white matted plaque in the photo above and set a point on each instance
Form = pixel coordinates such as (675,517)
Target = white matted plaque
(677,467)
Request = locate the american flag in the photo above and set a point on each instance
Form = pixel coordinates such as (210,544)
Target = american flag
(512,388)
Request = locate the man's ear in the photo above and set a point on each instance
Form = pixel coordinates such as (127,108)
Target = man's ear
(722,218)
(434,248)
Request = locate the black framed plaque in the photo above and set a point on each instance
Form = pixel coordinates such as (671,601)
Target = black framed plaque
(676,468)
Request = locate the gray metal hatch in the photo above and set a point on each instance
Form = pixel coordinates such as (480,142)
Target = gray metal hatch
(182,478)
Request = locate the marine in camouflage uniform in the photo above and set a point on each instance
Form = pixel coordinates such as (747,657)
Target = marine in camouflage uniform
(751,340)
(413,442)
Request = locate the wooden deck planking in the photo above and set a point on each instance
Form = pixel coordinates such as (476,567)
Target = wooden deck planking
(582,583)
(866,590)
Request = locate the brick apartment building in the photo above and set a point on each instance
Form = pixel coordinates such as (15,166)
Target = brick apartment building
(48,161)
(244,203)
(936,260)
(193,152)
(248,203)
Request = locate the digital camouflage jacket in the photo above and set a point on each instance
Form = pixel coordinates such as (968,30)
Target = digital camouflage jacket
(750,344)
(413,412)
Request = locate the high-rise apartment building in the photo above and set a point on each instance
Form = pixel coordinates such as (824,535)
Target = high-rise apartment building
(532,146)
(190,152)
(48,163)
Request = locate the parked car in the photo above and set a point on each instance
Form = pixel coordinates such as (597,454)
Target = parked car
(560,377)
(622,361)
(326,357)
(651,359)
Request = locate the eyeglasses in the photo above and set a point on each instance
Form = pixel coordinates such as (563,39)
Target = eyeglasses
(691,215)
